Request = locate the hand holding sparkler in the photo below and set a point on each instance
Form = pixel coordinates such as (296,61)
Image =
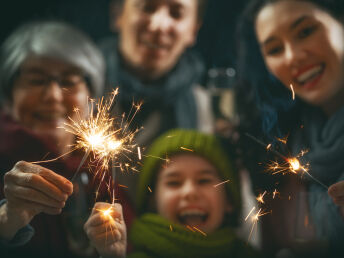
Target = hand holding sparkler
(31,189)
(106,230)
(336,192)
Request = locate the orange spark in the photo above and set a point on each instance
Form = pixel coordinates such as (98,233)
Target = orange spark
(260,197)
(190,228)
(183,148)
(149,189)
(275,192)
(248,215)
(200,231)
(221,183)
(139,153)
(292,90)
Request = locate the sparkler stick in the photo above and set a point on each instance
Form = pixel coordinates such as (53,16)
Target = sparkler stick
(80,165)
(294,163)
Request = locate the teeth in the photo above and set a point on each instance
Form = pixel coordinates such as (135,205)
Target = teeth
(154,46)
(309,74)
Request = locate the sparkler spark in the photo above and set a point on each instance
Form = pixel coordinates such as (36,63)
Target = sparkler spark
(260,197)
(275,192)
(292,91)
(102,135)
(200,231)
(292,164)
(183,148)
(221,183)
(255,218)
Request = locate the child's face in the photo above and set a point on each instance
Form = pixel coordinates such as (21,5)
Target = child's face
(185,193)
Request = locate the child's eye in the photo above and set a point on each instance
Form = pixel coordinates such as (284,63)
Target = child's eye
(173,183)
(205,180)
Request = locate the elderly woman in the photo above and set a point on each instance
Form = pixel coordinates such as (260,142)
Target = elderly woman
(47,70)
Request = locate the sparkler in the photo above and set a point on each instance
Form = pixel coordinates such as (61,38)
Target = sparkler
(101,134)
(292,164)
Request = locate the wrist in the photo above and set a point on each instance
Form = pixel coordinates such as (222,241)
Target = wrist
(9,223)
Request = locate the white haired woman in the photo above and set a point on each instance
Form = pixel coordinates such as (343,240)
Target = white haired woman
(47,69)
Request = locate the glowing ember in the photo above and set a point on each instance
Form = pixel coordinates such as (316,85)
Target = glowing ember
(275,192)
(294,164)
(292,91)
(260,197)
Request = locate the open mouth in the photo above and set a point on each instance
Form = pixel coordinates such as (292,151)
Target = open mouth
(192,217)
(310,74)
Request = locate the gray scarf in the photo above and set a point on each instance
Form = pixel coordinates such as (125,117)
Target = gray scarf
(324,137)
(173,91)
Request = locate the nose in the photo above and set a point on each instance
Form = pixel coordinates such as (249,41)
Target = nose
(53,92)
(160,20)
(294,54)
(190,191)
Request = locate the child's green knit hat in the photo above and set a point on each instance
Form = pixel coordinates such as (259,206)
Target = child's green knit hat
(179,141)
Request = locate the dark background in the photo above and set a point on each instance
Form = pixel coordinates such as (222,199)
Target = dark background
(216,40)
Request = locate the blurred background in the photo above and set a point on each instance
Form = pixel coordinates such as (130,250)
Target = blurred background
(216,39)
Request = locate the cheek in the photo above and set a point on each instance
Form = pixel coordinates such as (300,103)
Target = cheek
(22,106)
(77,100)
(166,201)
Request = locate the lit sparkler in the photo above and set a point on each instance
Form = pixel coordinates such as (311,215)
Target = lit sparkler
(292,164)
(101,134)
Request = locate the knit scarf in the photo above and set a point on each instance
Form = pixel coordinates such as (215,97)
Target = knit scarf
(172,91)
(324,137)
(154,236)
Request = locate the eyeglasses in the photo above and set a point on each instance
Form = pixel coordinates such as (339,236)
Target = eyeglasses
(40,80)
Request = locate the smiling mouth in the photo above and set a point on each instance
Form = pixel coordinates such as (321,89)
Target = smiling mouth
(192,217)
(310,74)
(154,46)
(49,117)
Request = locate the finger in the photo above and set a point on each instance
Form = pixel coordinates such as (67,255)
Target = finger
(107,209)
(107,238)
(106,227)
(32,195)
(32,207)
(96,220)
(60,182)
(37,182)
(339,201)
(118,212)
(336,189)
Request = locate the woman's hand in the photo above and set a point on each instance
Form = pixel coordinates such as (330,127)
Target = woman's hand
(336,191)
(106,230)
(31,189)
